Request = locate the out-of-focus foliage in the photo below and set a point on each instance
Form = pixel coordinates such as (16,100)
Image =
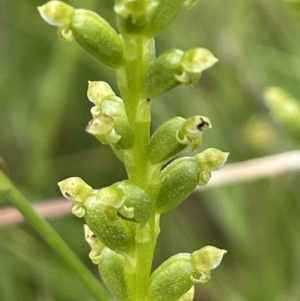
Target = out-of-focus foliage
(44,111)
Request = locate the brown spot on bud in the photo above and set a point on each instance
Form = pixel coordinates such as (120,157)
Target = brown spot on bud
(203,125)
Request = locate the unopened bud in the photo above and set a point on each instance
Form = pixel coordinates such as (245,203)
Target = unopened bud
(57,13)
(211,159)
(99,91)
(194,62)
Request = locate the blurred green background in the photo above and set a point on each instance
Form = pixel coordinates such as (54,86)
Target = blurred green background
(44,111)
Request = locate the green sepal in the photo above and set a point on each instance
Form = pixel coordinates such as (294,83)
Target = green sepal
(117,234)
(161,74)
(175,135)
(111,269)
(137,200)
(178,180)
(171,279)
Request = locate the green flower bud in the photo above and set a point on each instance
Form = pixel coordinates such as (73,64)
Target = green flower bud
(99,91)
(172,279)
(138,12)
(148,18)
(96,245)
(91,31)
(98,38)
(176,67)
(76,190)
(175,135)
(111,269)
(176,276)
(115,233)
(137,203)
(211,159)
(110,124)
(57,13)
(102,127)
(204,260)
(161,74)
(194,62)
(178,180)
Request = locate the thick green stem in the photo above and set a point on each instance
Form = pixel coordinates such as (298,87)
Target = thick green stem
(130,79)
(51,237)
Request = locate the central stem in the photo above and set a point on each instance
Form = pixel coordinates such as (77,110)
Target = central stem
(138,54)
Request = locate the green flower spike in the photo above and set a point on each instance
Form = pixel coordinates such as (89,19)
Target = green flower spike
(175,135)
(90,30)
(177,275)
(76,190)
(96,245)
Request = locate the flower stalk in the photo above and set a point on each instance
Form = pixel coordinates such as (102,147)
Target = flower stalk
(122,220)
